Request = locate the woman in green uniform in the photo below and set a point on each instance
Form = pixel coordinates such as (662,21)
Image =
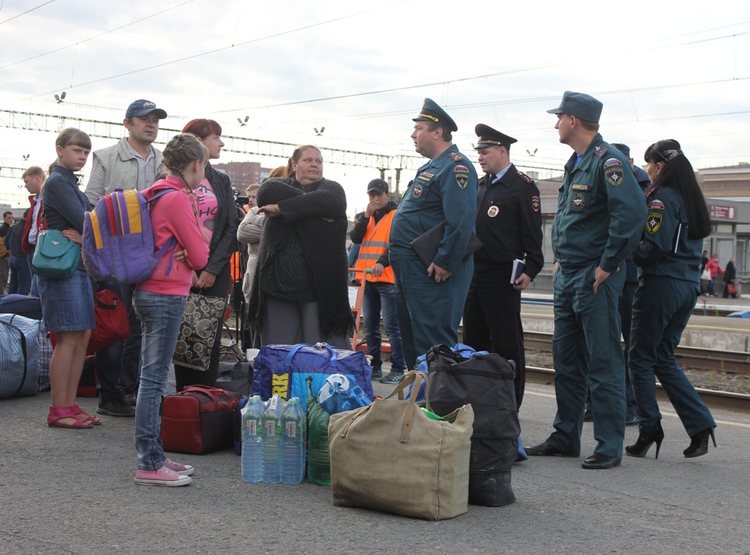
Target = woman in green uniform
(669,260)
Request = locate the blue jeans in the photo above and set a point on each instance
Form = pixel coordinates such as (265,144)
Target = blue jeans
(161,316)
(382,296)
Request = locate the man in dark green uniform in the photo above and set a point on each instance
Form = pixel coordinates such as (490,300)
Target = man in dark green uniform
(600,216)
(430,297)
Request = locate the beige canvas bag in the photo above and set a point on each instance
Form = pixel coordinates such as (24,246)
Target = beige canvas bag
(431,457)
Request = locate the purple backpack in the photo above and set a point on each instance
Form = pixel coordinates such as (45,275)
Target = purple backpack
(118,241)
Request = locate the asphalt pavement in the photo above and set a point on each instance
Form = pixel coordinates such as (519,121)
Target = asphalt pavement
(72,491)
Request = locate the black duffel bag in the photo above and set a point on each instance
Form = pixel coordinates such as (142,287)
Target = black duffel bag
(486,382)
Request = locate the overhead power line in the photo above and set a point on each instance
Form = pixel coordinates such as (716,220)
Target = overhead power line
(94,37)
(27,11)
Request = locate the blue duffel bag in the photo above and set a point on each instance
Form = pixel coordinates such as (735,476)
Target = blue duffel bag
(283,369)
(19,356)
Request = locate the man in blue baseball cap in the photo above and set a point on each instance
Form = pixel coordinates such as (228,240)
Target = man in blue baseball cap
(131,163)
(600,217)
(430,296)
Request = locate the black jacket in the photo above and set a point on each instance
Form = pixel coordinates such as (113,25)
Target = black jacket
(509,221)
(224,238)
(306,212)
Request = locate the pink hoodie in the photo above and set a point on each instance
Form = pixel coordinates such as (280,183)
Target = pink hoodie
(173,216)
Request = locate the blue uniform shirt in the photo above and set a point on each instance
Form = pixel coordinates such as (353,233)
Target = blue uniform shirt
(600,210)
(444,189)
(666,250)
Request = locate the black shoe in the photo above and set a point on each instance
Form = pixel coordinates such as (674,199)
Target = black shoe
(115,407)
(597,461)
(544,449)
(641,447)
(699,444)
(377,374)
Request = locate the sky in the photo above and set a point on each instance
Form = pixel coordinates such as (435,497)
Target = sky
(362,70)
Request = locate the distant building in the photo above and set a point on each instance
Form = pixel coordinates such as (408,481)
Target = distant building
(243,174)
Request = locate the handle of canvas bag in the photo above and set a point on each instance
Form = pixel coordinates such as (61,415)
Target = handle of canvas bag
(417,378)
(290,356)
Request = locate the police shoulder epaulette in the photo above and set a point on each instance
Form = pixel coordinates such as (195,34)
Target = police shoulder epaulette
(457,157)
(600,151)
(525,177)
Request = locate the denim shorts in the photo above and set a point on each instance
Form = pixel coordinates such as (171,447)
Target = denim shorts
(67,304)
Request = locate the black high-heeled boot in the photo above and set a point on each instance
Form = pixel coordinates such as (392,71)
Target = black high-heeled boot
(699,444)
(641,447)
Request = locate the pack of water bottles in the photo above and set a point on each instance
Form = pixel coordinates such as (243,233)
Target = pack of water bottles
(273,441)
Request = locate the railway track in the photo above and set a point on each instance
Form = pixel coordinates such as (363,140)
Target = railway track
(723,400)
(690,357)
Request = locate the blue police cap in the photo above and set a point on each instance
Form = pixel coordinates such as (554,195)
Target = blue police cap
(432,112)
(491,137)
(625,149)
(580,105)
(143,107)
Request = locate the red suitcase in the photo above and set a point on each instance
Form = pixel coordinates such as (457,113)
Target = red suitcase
(198,420)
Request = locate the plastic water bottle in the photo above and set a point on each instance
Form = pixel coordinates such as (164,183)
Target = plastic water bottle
(293,443)
(252,440)
(272,432)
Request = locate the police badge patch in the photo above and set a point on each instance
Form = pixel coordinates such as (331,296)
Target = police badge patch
(493,211)
(614,175)
(535,204)
(577,202)
(417,191)
(462,180)
(653,222)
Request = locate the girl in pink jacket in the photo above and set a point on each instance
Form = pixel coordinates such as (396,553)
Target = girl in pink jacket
(159,302)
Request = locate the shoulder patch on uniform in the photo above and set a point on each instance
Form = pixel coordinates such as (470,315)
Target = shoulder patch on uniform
(462,179)
(656,204)
(457,157)
(535,204)
(525,177)
(612,162)
(600,151)
(653,222)
(615,175)
(461,168)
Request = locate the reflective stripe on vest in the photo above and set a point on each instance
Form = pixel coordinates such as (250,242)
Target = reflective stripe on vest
(374,245)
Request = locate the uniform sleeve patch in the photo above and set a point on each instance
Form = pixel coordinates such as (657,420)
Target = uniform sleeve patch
(656,204)
(653,222)
(462,180)
(612,162)
(461,168)
(614,175)
(525,177)
(535,204)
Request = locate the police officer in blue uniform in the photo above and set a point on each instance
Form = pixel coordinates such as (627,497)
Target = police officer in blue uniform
(669,259)
(509,225)
(599,219)
(430,300)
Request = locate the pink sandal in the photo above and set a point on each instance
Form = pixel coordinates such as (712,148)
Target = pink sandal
(56,414)
(83,416)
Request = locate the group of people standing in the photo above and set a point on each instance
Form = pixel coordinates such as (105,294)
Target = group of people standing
(297,281)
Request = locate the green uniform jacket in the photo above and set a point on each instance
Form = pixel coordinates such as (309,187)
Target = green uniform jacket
(445,189)
(600,210)
(666,250)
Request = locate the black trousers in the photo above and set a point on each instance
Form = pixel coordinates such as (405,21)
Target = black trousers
(492,318)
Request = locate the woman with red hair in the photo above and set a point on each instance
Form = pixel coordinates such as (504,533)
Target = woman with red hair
(217,216)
